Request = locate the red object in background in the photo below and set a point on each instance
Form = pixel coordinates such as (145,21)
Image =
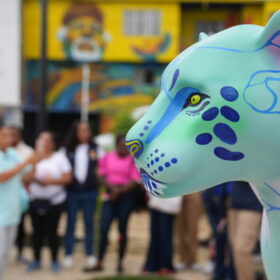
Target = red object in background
(232,20)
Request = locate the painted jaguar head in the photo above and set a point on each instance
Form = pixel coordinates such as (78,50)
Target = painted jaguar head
(216,118)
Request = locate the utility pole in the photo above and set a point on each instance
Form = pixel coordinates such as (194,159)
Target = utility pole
(42,112)
(85,92)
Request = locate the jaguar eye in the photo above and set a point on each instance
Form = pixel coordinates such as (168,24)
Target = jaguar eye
(195,99)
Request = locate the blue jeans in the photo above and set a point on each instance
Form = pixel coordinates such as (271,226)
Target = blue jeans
(224,268)
(121,210)
(160,252)
(87,202)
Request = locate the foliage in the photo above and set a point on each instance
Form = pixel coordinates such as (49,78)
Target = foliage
(123,123)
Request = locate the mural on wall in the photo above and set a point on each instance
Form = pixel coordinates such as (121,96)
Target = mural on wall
(149,52)
(83,35)
(110,32)
(113,87)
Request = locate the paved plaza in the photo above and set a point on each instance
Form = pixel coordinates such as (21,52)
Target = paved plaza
(138,232)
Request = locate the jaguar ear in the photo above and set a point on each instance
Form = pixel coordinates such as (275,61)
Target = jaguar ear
(202,36)
(270,35)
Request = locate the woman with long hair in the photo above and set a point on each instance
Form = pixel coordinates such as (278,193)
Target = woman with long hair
(83,191)
(47,193)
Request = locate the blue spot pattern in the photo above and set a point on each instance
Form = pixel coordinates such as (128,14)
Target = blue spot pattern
(225,133)
(225,154)
(210,114)
(167,164)
(146,127)
(229,93)
(222,130)
(158,163)
(204,138)
(230,114)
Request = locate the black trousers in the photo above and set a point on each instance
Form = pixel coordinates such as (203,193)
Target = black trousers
(20,235)
(160,252)
(45,226)
(120,210)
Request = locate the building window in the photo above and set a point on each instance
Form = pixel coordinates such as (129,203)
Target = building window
(209,27)
(144,77)
(142,22)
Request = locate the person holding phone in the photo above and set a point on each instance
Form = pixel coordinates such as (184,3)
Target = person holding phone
(83,191)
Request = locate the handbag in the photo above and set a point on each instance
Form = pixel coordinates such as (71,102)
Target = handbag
(166,205)
(42,206)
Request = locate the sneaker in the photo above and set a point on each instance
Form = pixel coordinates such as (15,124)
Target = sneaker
(55,267)
(195,267)
(22,260)
(165,272)
(209,267)
(68,261)
(180,266)
(96,268)
(91,261)
(35,265)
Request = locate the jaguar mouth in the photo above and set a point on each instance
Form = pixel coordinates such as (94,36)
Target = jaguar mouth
(152,185)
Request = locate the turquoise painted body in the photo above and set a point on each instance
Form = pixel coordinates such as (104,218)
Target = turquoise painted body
(217,119)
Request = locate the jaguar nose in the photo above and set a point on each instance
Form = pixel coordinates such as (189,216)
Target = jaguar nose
(135,147)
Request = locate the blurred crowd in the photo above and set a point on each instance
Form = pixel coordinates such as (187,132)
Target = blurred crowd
(76,174)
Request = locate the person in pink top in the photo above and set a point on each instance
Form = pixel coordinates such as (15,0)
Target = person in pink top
(119,174)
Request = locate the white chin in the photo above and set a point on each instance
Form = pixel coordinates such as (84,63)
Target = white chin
(85,55)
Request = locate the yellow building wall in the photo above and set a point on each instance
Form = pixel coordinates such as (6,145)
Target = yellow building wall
(190,17)
(253,14)
(270,8)
(256,13)
(119,47)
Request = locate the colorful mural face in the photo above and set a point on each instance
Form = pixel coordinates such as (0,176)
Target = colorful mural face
(215,120)
(111,32)
(83,34)
(113,87)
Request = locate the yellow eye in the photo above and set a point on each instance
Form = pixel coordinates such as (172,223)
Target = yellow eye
(195,99)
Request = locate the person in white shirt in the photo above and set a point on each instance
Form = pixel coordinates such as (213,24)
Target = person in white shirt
(48,195)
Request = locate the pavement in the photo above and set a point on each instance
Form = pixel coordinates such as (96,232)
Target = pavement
(138,241)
